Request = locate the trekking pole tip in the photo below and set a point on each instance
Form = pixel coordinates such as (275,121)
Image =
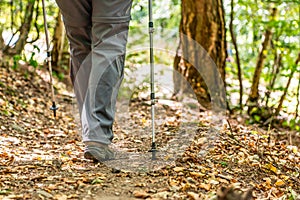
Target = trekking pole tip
(54,108)
(153,150)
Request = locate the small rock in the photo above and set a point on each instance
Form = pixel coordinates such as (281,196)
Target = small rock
(115,170)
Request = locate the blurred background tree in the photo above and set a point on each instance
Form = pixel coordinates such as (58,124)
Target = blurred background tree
(259,60)
(203,22)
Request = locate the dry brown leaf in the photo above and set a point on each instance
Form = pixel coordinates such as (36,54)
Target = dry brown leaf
(193,196)
(179,169)
(267,181)
(197,174)
(61,197)
(279,183)
(173,182)
(141,194)
(271,167)
(205,186)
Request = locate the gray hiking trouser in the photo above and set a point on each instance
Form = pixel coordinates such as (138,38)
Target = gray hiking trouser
(97,32)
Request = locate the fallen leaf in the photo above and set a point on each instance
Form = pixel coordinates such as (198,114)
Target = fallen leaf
(4,192)
(98,180)
(279,183)
(193,196)
(161,195)
(271,167)
(179,169)
(44,193)
(141,194)
(267,181)
(60,197)
(197,174)
(214,182)
(205,186)
(173,182)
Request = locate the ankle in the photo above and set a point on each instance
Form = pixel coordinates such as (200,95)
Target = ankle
(97,144)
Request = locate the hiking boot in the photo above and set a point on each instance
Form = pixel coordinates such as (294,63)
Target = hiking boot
(98,152)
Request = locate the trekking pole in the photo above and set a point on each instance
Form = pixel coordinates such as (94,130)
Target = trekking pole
(53,107)
(152,95)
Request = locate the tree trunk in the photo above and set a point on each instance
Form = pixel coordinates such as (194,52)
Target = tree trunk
(298,95)
(239,69)
(275,72)
(254,94)
(23,30)
(202,43)
(293,70)
(2,45)
(58,43)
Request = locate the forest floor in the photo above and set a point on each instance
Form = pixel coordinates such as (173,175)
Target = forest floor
(42,157)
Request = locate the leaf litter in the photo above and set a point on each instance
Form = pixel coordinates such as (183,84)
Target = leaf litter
(42,158)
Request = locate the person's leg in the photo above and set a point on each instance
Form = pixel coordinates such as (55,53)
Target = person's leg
(110,21)
(97,31)
(77,20)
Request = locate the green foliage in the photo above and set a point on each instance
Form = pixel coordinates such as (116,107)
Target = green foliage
(12,15)
(292,124)
(5,191)
(166,14)
(16,60)
(98,180)
(292,194)
(223,164)
(166,18)
(32,61)
(59,75)
(251,20)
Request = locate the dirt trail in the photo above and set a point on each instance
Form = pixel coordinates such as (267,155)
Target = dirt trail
(41,158)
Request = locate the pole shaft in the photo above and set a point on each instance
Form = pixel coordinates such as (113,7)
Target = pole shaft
(151,30)
(45,25)
(49,55)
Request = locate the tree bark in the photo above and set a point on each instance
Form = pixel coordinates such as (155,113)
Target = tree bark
(24,30)
(293,70)
(298,100)
(236,55)
(204,25)
(58,43)
(254,94)
(275,71)
(2,45)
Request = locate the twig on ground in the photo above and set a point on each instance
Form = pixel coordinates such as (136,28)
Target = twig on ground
(224,177)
